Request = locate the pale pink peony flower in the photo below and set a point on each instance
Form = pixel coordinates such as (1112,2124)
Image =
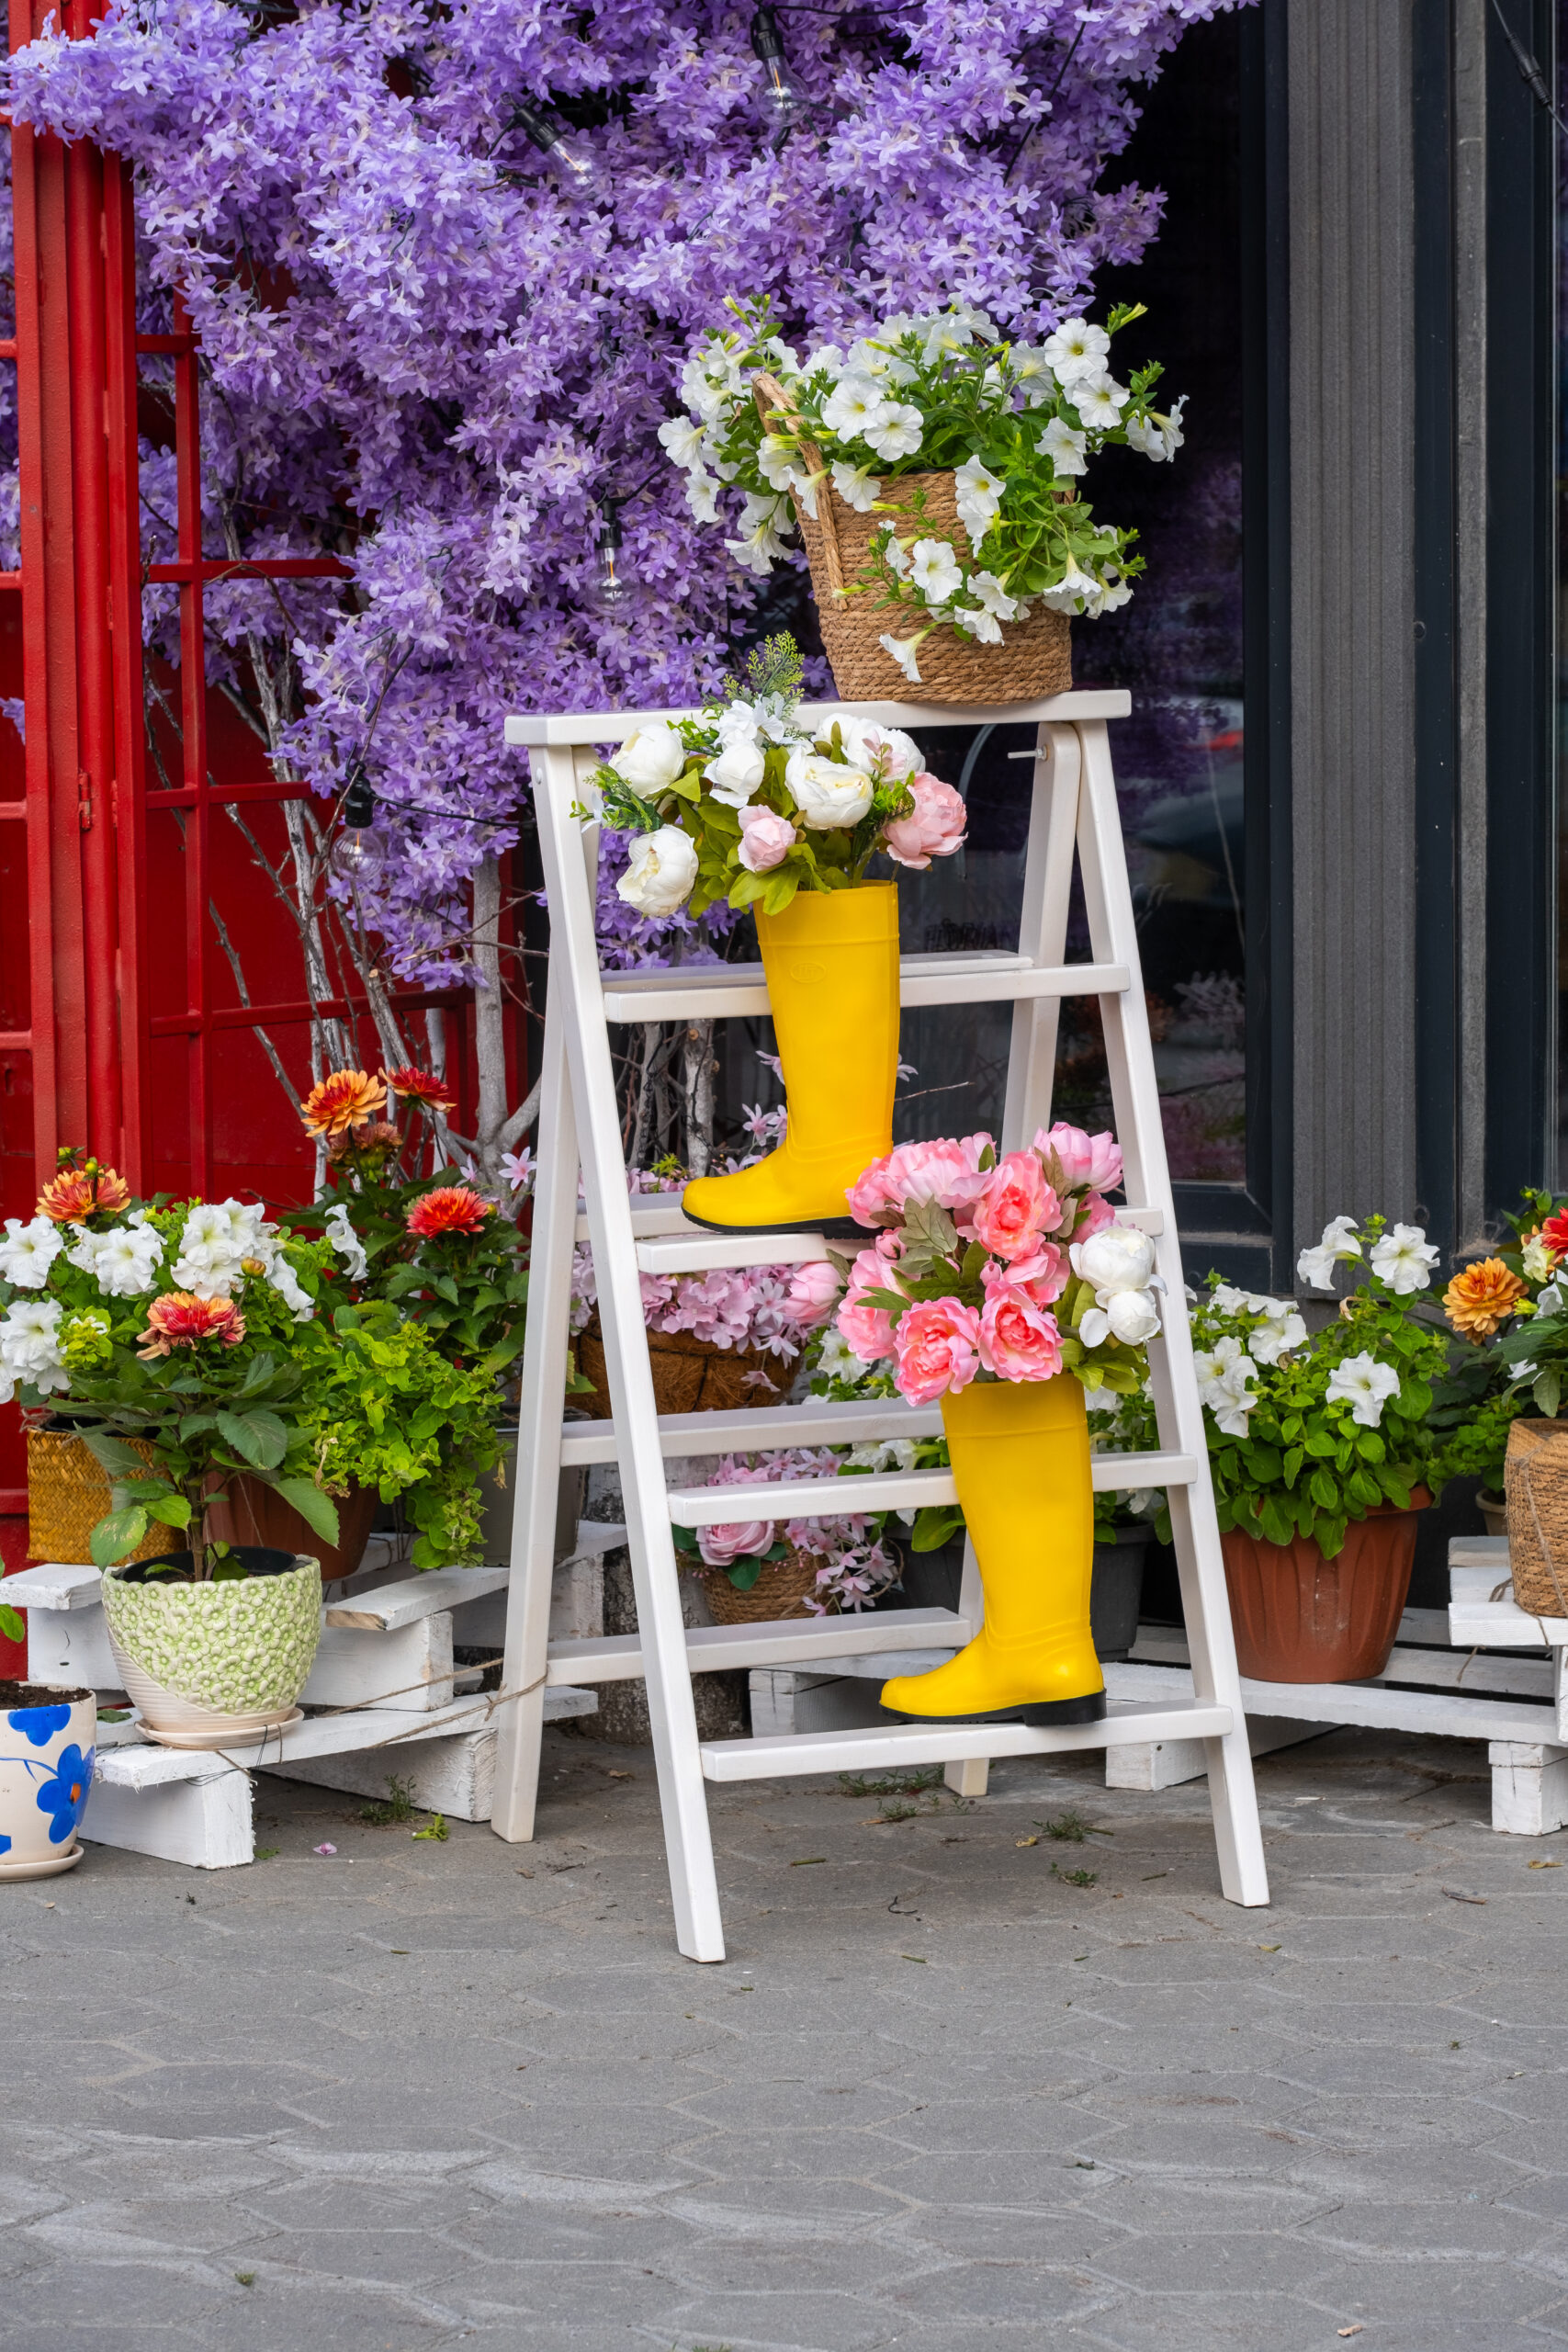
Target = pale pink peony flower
(1044,1274)
(1095,1212)
(870,1200)
(946,1172)
(1086,1159)
(766,840)
(812,1291)
(937,1347)
(1018,1339)
(1016,1209)
(934,829)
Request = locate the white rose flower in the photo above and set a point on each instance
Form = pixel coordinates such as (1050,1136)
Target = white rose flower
(1133,1315)
(857,486)
(1118,1258)
(903,649)
(856,403)
(735,774)
(29,1252)
(1365,1385)
(346,1242)
(1075,349)
(826,795)
(661,872)
(650,758)
(979,496)
(934,570)
(1339,1241)
(897,433)
(1403,1260)
(881,750)
(1066,447)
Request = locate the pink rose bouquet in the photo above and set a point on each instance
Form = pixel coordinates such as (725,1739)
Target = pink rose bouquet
(1014,1268)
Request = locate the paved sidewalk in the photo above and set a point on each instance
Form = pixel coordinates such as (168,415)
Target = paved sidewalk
(940,2096)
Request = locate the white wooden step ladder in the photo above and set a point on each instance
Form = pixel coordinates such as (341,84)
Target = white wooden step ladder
(1074,803)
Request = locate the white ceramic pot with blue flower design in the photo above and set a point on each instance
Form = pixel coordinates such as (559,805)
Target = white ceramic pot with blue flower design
(47,1738)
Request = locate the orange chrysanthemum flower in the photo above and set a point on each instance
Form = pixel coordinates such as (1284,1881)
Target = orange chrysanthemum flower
(77,1193)
(376,1135)
(182,1320)
(344,1098)
(451,1208)
(421,1086)
(1482,1297)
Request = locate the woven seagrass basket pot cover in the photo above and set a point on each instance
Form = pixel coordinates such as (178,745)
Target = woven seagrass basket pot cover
(68,1492)
(1033,660)
(780,1592)
(1535,1479)
(690,1375)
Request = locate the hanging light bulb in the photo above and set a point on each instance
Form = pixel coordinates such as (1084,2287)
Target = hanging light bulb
(611,590)
(360,850)
(781,92)
(551,138)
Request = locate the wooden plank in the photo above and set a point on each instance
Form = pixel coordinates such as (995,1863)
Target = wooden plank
(1529,1789)
(795,1641)
(70,1645)
(900,1490)
(392,1729)
(203,1820)
(410,1668)
(1375,1707)
(1478,1551)
(1485,1583)
(539,730)
(394,1605)
(1499,1625)
(730,992)
(1170,1763)
(55,1584)
(1471,1672)
(455,1776)
(781,1426)
(879,1748)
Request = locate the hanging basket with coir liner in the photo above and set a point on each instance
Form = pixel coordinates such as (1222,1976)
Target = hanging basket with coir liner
(690,1375)
(1535,1480)
(1034,657)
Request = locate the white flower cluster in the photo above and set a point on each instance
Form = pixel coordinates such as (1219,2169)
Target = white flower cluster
(1118,1262)
(221,1241)
(29,1252)
(29,1348)
(1402,1257)
(123,1261)
(1226,1374)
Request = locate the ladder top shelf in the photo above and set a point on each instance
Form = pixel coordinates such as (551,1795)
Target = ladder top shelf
(551,731)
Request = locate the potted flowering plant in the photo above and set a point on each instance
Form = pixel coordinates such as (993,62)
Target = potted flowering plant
(754,1570)
(1321,1451)
(933,469)
(990,1280)
(745,801)
(166,1337)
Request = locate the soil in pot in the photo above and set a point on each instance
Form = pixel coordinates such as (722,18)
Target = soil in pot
(179,1567)
(38,1694)
(1299,1618)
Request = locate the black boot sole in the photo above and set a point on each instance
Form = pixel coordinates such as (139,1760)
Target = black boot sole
(1038,1715)
(836,1228)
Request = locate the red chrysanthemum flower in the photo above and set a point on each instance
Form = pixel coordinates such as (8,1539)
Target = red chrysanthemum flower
(182,1320)
(344,1098)
(421,1086)
(77,1193)
(451,1208)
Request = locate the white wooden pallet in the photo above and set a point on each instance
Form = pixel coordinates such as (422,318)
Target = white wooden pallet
(1073,821)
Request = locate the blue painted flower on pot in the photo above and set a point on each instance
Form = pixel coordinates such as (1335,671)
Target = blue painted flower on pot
(46,1776)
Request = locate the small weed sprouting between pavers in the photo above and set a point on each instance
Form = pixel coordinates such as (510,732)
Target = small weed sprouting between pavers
(397,1806)
(893,1784)
(267,1853)
(245,2277)
(1076,1878)
(1073,1828)
(434,1827)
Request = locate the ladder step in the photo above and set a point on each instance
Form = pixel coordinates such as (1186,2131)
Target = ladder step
(896,1490)
(1129,1723)
(694,1252)
(804,1642)
(818,1423)
(739,991)
(1076,705)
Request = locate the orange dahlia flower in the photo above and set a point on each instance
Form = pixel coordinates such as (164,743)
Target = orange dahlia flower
(344,1098)
(1554,1233)
(451,1208)
(77,1193)
(182,1320)
(421,1086)
(376,1135)
(1482,1297)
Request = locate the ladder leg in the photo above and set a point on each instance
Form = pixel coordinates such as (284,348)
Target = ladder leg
(534,1503)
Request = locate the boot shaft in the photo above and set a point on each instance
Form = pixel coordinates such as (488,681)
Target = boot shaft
(1020,1459)
(831,958)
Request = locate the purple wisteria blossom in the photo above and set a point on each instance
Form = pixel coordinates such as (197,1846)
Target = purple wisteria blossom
(431,352)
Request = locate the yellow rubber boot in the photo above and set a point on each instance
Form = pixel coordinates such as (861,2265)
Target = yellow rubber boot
(1019,1452)
(831,958)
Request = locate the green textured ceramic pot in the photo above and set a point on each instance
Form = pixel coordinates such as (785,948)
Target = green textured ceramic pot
(206,1664)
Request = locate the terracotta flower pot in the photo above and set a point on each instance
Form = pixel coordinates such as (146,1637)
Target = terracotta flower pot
(1299,1618)
(257,1513)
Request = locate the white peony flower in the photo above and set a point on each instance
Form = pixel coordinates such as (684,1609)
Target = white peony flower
(1365,1385)
(650,758)
(1100,400)
(980,495)
(346,1242)
(735,774)
(1403,1260)
(661,872)
(1339,1241)
(1066,447)
(1133,1315)
(684,442)
(826,795)
(903,649)
(1075,350)
(934,570)
(29,1252)
(857,486)
(881,750)
(1118,1258)
(856,403)
(897,432)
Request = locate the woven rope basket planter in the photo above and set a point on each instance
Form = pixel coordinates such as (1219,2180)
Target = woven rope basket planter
(780,1592)
(1034,657)
(68,1493)
(690,1375)
(1535,1478)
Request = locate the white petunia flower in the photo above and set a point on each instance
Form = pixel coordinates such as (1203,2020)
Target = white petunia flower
(29,1252)
(1365,1385)
(30,1344)
(993,595)
(903,649)
(283,1279)
(1100,400)
(702,497)
(1074,591)
(1278,1336)
(775,459)
(934,570)
(684,442)
(346,1242)
(1075,350)
(982,624)
(1066,447)
(121,1263)
(857,486)
(856,405)
(980,495)
(1403,1260)
(1536,1259)
(1339,1241)
(893,554)
(897,432)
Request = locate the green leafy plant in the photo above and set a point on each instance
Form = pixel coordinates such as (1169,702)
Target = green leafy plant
(1512,1309)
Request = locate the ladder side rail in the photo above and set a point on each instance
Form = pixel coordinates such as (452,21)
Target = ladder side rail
(1134,1093)
(536,1487)
(661,1629)
(1042,931)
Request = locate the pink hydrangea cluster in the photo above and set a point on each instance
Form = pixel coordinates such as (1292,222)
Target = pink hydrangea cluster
(855,1565)
(773,1308)
(1027,1210)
